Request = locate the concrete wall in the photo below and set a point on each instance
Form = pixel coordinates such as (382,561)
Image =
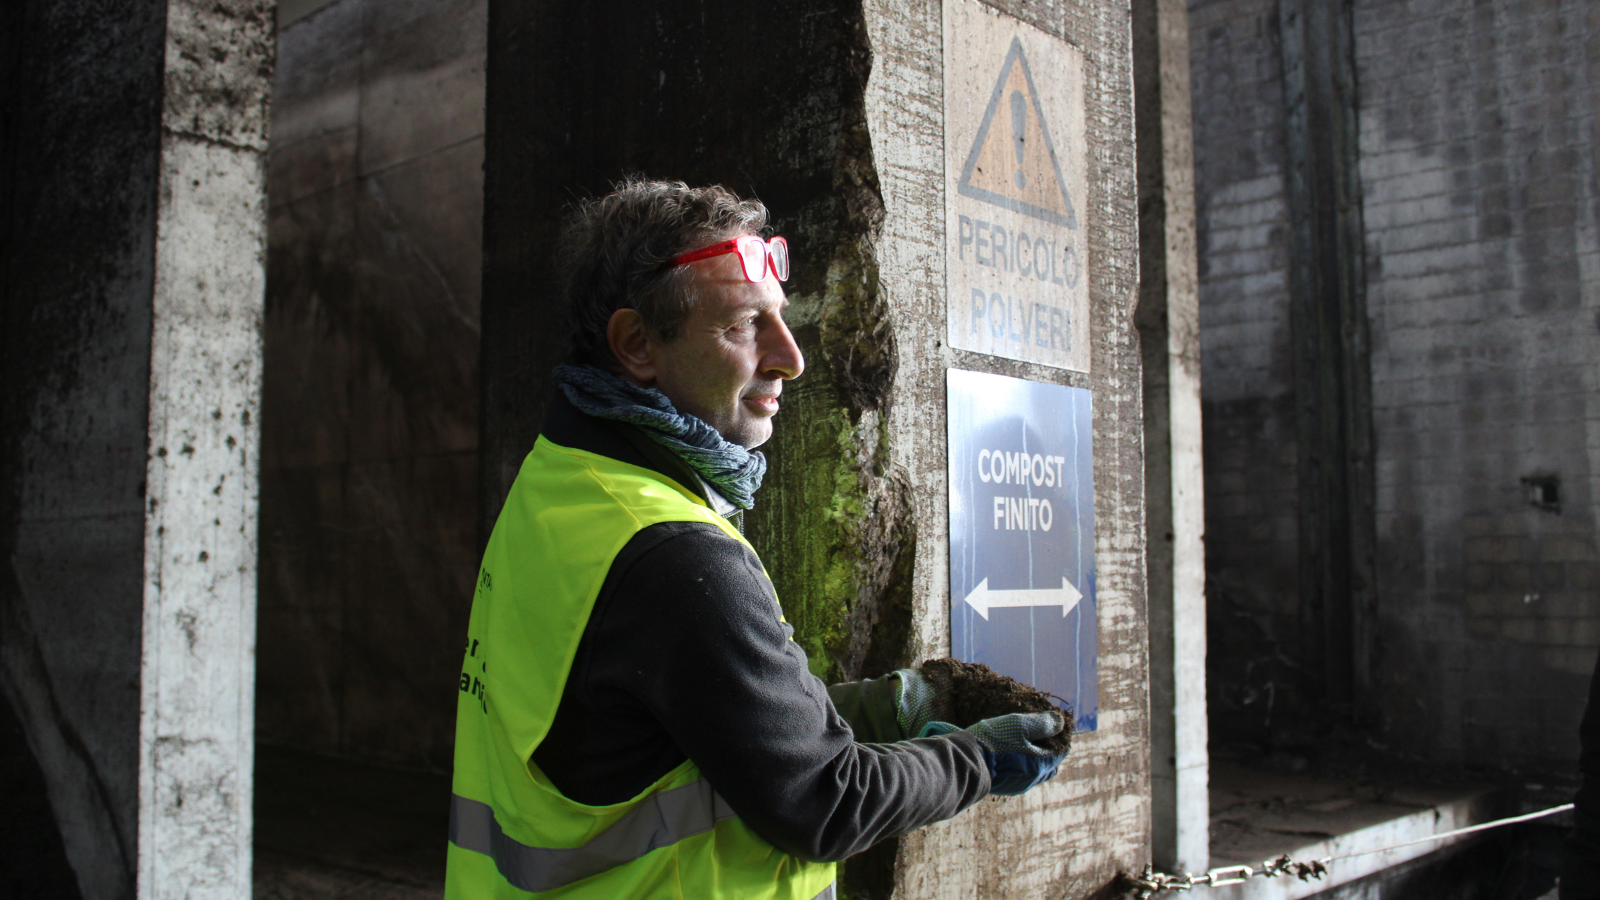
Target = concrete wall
(1069,838)
(133,150)
(197,697)
(83,145)
(1168,319)
(370,425)
(1478,198)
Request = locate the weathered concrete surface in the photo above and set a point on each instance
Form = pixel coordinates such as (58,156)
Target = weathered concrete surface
(1070,837)
(132,279)
(197,704)
(1168,318)
(370,430)
(1479,203)
(82,108)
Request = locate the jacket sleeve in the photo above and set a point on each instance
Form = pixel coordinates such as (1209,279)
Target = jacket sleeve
(709,656)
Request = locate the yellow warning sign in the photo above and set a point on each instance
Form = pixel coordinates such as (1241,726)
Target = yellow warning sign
(1017,214)
(1013,163)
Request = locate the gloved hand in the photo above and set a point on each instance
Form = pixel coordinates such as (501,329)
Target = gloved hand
(917,703)
(1016,763)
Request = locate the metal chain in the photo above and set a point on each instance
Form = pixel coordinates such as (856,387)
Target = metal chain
(1150,882)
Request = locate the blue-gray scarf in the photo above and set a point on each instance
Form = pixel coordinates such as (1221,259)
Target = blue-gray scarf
(734,471)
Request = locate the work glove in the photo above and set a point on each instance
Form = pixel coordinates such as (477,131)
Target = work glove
(1016,763)
(917,703)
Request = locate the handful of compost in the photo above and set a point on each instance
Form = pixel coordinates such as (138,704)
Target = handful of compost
(1023,734)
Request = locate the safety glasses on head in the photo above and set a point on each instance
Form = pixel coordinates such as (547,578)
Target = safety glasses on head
(756,257)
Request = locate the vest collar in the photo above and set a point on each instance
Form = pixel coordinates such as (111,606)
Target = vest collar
(568,426)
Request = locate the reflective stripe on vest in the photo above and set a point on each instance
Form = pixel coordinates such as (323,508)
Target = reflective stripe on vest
(658,821)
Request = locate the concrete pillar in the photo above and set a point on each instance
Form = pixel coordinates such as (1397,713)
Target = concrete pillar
(1071,837)
(132,300)
(1168,319)
(835,116)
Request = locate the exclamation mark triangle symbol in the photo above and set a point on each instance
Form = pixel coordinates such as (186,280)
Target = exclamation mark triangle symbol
(1013,162)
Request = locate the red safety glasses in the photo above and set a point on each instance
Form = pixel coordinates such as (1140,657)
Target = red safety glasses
(756,257)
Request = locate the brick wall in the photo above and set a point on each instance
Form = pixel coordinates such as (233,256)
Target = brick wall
(1477,139)
(1477,129)
(1247,374)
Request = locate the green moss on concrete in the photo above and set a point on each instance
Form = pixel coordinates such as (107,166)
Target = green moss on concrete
(830,523)
(809,563)
(818,532)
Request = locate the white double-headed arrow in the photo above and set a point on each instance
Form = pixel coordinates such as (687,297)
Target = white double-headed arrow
(982,599)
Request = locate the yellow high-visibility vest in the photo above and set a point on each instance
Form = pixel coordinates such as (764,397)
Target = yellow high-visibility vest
(512,833)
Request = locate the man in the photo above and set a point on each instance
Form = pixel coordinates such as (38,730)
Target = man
(634,720)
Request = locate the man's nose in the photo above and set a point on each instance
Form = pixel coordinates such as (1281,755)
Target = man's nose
(781,356)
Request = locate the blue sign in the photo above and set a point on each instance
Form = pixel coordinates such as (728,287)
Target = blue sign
(1022,535)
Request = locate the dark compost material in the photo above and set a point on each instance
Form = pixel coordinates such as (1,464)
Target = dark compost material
(969,692)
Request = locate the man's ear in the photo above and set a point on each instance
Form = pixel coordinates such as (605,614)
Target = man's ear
(632,346)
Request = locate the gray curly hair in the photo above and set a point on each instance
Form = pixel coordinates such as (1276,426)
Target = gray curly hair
(614,248)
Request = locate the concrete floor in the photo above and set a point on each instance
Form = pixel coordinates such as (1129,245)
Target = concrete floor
(329,829)
(1258,815)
